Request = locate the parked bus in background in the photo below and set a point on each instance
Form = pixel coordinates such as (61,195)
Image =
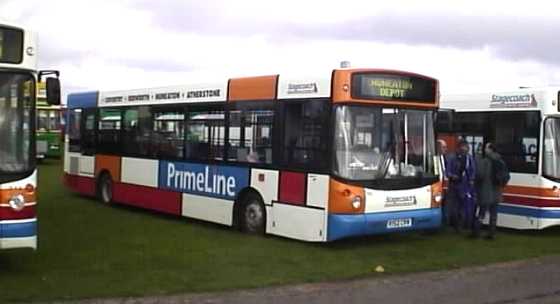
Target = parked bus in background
(524,125)
(49,127)
(18,174)
(346,154)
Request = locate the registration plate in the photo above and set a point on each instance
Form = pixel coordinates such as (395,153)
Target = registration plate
(399,223)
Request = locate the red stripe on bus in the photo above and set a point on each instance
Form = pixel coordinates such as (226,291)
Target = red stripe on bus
(81,184)
(7,213)
(533,202)
(148,198)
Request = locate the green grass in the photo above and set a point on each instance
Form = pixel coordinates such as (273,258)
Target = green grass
(87,250)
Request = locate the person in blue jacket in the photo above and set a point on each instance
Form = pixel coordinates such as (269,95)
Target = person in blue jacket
(461,173)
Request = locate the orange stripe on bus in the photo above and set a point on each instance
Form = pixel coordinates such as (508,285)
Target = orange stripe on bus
(341,195)
(6,194)
(341,90)
(109,163)
(532,191)
(253,88)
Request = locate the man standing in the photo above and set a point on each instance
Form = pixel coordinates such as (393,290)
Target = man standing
(442,163)
(491,176)
(461,174)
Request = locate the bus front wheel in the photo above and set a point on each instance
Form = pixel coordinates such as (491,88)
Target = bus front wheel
(106,188)
(253,214)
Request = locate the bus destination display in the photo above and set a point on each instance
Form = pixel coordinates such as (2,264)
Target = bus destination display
(393,87)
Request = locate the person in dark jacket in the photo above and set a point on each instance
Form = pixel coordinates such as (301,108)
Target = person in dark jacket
(460,172)
(488,193)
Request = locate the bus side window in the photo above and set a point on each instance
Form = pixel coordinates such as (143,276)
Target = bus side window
(169,132)
(109,135)
(74,134)
(88,132)
(305,134)
(205,135)
(516,136)
(250,136)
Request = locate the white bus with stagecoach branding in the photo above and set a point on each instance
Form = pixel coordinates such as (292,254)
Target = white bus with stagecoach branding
(524,124)
(18,174)
(348,153)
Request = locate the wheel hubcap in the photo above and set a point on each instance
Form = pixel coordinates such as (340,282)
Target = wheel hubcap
(106,191)
(253,216)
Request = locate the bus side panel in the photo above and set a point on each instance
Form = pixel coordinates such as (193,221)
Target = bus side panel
(77,164)
(302,223)
(529,202)
(300,211)
(80,184)
(208,208)
(148,198)
(266,183)
(509,220)
(142,172)
(548,222)
(109,163)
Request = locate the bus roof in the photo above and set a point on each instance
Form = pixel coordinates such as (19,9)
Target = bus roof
(82,100)
(544,99)
(270,87)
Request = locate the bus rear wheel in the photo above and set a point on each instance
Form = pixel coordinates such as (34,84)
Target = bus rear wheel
(253,214)
(105,188)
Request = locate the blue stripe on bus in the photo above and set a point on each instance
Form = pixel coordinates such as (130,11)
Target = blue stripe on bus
(347,225)
(523,211)
(82,100)
(11,230)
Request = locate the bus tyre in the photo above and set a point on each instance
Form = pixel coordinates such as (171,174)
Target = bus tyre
(253,214)
(105,188)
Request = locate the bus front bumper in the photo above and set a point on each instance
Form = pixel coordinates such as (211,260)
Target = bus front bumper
(348,225)
(18,234)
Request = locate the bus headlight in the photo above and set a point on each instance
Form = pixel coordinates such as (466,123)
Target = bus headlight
(17,202)
(438,198)
(356,202)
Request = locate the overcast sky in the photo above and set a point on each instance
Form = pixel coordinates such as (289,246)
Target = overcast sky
(468,45)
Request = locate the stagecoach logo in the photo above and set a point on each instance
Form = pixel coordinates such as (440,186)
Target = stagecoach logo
(302,88)
(216,181)
(513,101)
(400,201)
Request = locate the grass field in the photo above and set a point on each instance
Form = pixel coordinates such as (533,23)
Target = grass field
(87,250)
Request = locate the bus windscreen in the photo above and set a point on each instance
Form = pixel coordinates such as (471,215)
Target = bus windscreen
(11,45)
(393,87)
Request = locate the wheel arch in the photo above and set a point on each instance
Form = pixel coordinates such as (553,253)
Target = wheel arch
(240,200)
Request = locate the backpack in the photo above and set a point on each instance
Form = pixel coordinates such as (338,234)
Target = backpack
(500,173)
